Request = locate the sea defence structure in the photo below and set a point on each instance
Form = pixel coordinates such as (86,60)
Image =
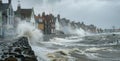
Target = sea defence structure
(19,50)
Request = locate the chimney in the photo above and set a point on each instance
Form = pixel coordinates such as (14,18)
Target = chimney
(38,15)
(58,16)
(43,14)
(9,1)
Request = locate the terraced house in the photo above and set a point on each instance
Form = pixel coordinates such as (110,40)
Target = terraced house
(6,18)
(25,14)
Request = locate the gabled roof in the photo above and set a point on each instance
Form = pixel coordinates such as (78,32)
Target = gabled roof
(26,12)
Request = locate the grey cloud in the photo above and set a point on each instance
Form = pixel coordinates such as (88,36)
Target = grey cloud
(53,1)
(110,0)
(102,13)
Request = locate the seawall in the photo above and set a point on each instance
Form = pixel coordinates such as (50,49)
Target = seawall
(19,50)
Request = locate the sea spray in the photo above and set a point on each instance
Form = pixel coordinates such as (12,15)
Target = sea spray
(57,24)
(81,50)
(69,29)
(35,36)
(28,30)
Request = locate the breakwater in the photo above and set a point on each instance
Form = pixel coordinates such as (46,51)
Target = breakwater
(16,50)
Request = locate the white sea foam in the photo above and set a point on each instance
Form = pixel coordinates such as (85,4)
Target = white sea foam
(35,37)
(68,29)
(28,30)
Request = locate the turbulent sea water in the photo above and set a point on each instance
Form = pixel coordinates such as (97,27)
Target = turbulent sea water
(100,47)
(97,47)
(76,48)
(103,47)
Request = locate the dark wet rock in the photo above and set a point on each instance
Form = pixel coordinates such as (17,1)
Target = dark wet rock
(13,44)
(30,59)
(19,56)
(62,52)
(3,56)
(10,49)
(28,51)
(12,54)
(31,52)
(18,50)
(11,58)
(1,60)
(27,48)
(5,53)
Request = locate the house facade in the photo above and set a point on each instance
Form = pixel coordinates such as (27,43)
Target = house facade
(25,15)
(39,20)
(6,18)
(49,23)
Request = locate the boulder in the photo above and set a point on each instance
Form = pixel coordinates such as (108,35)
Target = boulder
(11,58)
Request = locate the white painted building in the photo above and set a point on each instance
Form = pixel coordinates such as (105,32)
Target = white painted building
(25,14)
(6,18)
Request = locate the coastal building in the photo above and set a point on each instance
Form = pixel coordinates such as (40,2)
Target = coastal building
(99,30)
(92,28)
(39,20)
(49,23)
(52,24)
(24,14)
(6,18)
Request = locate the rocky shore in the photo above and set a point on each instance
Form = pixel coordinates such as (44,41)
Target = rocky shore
(20,50)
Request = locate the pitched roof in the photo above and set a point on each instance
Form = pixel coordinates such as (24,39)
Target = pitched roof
(26,12)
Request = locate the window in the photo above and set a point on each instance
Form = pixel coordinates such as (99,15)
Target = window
(40,20)
(9,11)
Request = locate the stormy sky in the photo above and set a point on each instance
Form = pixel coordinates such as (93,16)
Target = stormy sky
(102,13)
